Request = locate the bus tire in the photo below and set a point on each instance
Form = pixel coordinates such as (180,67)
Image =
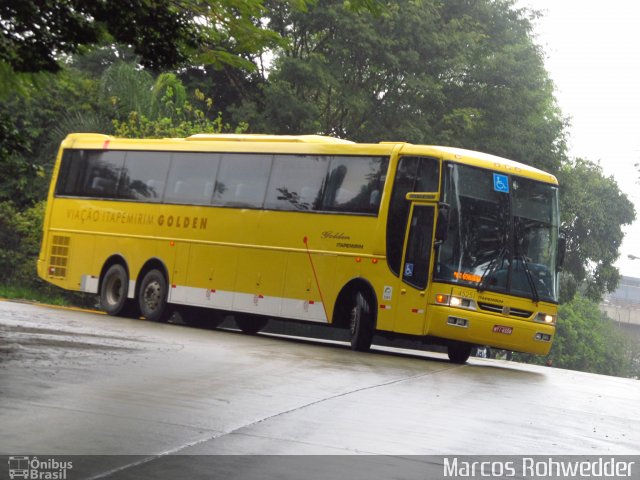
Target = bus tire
(152,297)
(113,291)
(361,323)
(459,352)
(250,324)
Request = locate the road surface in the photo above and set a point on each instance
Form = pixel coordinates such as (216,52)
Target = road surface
(83,383)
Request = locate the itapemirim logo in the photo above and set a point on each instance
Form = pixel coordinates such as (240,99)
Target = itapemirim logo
(32,468)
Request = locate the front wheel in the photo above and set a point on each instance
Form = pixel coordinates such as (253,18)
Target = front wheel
(361,323)
(152,298)
(459,352)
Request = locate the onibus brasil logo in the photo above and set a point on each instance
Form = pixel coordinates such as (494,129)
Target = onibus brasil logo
(35,469)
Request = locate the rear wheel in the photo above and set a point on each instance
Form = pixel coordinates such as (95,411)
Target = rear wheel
(459,352)
(152,298)
(113,292)
(250,324)
(361,323)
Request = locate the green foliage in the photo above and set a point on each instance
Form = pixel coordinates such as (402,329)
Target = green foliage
(164,34)
(587,340)
(457,72)
(593,211)
(32,127)
(38,294)
(127,88)
(188,121)
(20,235)
(16,164)
(171,114)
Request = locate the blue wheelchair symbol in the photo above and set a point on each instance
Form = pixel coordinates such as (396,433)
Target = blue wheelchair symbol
(408,270)
(500,183)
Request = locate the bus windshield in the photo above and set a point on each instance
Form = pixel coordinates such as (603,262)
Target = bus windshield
(502,233)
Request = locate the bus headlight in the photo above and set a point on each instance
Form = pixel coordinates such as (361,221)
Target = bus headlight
(546,318)
(453,301)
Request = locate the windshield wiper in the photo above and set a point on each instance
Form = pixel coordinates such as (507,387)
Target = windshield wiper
(523,258)
(491,269)
(532,283)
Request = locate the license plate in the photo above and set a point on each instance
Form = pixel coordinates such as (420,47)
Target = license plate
(502,329)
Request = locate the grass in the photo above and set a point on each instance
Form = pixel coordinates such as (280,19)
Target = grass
(18,292)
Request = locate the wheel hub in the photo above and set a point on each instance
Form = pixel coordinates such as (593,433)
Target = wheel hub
(114,291)
(152,295)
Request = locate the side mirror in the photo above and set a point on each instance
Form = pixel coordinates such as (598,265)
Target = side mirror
(442,225)
(562,250)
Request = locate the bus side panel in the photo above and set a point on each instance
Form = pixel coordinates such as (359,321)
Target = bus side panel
(211,276)
(259,281)
(179,273)
(309,291)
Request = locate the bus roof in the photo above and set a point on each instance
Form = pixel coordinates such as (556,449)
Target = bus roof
(483,160)
(254,137)
(287,144)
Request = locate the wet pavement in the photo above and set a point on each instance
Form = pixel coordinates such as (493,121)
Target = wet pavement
(82,383)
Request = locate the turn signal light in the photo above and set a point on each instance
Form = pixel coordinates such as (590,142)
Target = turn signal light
(442,299)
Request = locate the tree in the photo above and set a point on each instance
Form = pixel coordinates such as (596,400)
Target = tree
(18,172)
(144,107)
(594,210)
(456,72)
(35,34)
(32,126)
(587,340)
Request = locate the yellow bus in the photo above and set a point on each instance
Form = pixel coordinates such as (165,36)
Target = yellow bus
(456,247)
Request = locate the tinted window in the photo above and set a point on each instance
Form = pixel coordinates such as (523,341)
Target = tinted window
(72,172)
(90,173)
(297,182)
(242,180)
(192,178)
(418,257)
(354,184)
(414,174)
(103,172)
(144,176)
(294,182)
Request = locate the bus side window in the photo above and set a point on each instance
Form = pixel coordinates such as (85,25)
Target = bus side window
(100,185)
(242,180)
(296,182)
(354,184)
(189,175)
(143,176)
(103,172)
(72,174)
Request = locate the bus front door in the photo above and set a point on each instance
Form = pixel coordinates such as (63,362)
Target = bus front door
(411,302)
